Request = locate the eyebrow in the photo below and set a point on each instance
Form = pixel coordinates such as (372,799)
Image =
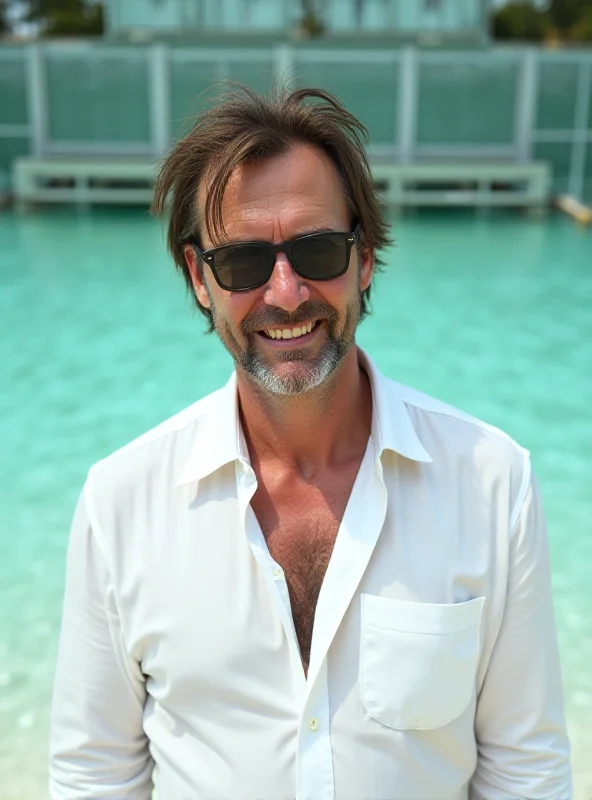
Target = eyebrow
(306,232)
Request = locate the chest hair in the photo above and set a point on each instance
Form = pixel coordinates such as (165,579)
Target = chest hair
(300,532)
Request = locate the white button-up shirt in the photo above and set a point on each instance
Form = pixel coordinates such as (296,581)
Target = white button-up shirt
(433,671)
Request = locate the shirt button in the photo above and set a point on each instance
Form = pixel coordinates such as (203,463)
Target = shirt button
(278,573)
(313,724)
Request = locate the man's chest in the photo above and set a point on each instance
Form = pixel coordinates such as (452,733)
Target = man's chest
(201,579)
(300,528)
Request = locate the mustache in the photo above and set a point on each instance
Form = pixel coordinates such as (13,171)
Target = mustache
(270,317)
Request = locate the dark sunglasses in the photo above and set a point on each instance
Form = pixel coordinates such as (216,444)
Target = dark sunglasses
(241,266)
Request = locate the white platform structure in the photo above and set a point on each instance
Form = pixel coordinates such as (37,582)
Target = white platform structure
(130,180)
(86,180)
(462,183)
(494,106)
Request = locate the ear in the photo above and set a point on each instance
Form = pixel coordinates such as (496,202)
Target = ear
(196,273)
(366,268)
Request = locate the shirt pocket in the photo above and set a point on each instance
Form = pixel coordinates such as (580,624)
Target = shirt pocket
(418,660)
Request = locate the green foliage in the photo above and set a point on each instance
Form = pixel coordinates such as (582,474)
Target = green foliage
(519,20)
(562,20)
(67,17)
(4,26)
(311,25)
(566,14)
(582,29)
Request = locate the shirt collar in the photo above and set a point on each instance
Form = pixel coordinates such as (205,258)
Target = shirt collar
(220,440)
(392,427)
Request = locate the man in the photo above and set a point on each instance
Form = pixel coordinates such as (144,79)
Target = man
(314,583)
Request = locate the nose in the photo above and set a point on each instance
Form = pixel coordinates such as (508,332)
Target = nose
(285,289)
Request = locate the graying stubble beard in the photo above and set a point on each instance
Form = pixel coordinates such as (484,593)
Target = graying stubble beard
(332,355)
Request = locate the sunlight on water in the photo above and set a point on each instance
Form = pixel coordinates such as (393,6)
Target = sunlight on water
(99,343)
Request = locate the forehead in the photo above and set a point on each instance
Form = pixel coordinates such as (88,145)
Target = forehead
(296,189)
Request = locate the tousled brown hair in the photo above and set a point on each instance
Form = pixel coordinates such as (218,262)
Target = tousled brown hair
(246,126)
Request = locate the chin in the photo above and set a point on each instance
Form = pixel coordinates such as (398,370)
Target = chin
(291,379)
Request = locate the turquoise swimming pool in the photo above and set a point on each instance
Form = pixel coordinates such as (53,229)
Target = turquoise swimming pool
(99,342)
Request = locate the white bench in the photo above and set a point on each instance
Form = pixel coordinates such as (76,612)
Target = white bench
(462,183)
(123,179)
(130,180)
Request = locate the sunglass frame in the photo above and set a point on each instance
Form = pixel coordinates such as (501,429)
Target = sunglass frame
(209,256)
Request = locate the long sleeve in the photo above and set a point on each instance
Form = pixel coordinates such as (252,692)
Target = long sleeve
(98,748)
(523,749)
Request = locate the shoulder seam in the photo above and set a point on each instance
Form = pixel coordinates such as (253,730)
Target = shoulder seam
(478,423)
(523,491)
(145,439)
(468,419)
(92,514)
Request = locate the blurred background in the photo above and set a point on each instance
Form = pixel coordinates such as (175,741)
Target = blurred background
(480,141)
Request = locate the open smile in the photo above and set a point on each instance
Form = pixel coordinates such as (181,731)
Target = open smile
(295,335)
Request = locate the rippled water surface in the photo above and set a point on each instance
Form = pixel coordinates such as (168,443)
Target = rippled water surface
(98,342)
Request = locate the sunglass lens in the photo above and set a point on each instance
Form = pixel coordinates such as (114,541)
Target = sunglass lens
(321,257)
(241,267)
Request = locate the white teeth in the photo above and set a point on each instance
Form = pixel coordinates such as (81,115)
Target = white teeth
(294,333)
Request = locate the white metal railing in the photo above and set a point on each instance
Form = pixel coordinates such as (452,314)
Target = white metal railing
(288,62)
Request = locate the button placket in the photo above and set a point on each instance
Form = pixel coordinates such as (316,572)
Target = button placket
(315,779)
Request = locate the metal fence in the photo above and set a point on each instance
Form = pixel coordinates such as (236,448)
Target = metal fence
(511,103)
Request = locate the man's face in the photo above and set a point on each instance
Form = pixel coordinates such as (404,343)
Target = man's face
(277,200)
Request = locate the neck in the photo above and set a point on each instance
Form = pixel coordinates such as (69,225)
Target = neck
(310,432)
